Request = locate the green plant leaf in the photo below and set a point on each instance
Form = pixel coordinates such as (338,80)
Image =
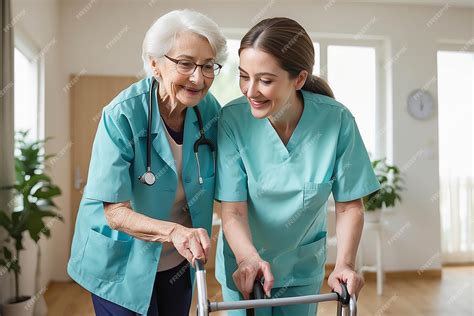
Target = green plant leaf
(47,192)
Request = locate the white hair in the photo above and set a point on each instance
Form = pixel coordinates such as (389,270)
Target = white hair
(160,37)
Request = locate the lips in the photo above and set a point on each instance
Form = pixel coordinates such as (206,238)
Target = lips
(258,103)
(192,90)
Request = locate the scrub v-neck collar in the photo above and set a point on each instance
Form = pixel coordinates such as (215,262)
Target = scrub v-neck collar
(295,137)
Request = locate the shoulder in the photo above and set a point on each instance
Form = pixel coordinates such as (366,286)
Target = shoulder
(130,100)
(325,104)
(237,110)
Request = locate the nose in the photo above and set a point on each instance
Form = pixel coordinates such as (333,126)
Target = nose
(252,90)
(196,77)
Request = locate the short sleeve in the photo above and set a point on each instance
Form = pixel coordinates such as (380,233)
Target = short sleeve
(231,183)
(109,178)
(353,174)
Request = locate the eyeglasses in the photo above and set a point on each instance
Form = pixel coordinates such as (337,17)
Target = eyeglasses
(187,67)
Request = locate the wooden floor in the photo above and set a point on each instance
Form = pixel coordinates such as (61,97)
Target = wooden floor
(450,295)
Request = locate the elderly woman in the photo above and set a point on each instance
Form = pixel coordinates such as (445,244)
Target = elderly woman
(147,207)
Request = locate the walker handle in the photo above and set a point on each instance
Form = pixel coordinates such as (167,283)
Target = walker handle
(257,292)
(344,297)
(347,304)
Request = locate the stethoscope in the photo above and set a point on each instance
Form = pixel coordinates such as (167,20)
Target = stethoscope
(148,177)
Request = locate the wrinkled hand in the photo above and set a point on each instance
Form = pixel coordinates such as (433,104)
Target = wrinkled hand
(250,269)
(191,243)
(346,274)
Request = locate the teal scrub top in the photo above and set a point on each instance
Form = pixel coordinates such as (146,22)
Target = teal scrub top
(287,187)
(110,263)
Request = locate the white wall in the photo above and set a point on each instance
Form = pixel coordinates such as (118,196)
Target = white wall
(38,21)
(82,46)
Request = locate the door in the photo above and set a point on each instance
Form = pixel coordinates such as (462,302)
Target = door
(87,98)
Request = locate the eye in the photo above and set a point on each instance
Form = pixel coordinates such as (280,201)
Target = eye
(186,64)
(209,67)
(266,82)
(244,77)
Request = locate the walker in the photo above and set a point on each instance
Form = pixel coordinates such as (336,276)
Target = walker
(346,304)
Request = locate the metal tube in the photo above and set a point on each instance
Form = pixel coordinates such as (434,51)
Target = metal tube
(308,299)
(203,303)
(353,306)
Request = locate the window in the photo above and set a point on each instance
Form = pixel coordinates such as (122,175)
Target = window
(317,60)
(456,154)
(26,94)
(352,77)
(226,85)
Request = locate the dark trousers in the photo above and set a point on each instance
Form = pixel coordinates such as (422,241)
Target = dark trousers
(172,294)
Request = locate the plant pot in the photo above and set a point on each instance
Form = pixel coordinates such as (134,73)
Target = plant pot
(373,216)
(25,307)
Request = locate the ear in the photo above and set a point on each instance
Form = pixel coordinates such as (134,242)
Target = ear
(301,79)
(154,66)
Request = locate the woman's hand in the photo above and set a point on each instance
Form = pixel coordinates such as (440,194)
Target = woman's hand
(191,243)
(248,270)
(346,274)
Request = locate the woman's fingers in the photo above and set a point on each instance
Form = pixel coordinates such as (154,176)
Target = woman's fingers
(250,275)
(334,284)
(205,241)
(196,247)
(268,276)
(188,255)
(191,240)
(354,283)
(239,279)
(353,280)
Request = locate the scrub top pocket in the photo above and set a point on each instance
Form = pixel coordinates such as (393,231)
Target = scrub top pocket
(111,262)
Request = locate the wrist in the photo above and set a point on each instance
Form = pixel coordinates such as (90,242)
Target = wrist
(172,229)
(249,255)
(344,265)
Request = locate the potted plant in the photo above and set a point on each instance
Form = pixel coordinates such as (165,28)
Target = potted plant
(390,180)
(33,191)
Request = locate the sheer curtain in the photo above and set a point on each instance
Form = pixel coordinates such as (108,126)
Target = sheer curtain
(456,154)
(7,176)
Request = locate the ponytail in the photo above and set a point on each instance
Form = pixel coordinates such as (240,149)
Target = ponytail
(318,85)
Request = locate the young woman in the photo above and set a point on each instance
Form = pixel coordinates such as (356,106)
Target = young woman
(283,148)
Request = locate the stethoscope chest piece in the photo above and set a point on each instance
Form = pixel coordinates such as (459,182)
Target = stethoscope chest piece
(148,178)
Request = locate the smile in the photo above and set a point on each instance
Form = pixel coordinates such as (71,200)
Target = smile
(257,104)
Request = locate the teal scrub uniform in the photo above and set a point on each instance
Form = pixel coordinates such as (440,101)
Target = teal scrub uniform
(110,263)
(287,187)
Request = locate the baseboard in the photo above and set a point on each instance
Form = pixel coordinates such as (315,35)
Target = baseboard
(396,275)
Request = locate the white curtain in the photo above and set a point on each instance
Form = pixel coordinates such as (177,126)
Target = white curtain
(7,168)
(457,218)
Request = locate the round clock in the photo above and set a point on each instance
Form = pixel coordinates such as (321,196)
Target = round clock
(420,104)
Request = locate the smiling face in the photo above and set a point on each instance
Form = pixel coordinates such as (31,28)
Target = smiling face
(185,90)
(268,88)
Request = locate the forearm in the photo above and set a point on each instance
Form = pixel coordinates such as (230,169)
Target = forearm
(237,232)
(121,217)
(349,224)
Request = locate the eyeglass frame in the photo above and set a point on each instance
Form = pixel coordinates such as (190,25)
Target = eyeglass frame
(176,61)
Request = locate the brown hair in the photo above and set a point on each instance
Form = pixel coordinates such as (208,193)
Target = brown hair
(287,41)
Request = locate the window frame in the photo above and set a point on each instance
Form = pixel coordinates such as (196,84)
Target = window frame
(24,43)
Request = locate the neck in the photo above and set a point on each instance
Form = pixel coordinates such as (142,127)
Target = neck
(169,108)
(287,117)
